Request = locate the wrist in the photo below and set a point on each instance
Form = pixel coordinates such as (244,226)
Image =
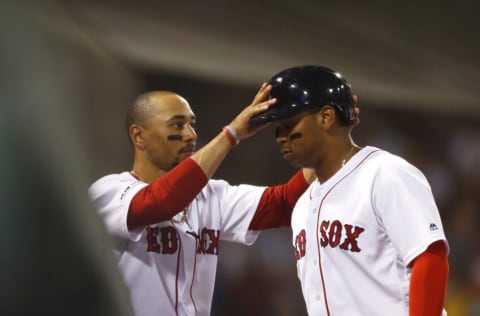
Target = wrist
(232,135)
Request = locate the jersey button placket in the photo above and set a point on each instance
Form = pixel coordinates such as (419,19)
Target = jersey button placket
(314,204)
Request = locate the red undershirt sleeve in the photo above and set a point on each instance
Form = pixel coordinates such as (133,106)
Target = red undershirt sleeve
(428,283)
(277,202)
(166,196)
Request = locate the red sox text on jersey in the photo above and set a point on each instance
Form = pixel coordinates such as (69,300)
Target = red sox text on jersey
(165,240)
(333,234)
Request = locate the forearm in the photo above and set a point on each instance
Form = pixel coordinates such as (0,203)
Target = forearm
(210,156)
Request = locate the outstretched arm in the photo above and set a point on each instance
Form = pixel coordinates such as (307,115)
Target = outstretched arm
(170,194)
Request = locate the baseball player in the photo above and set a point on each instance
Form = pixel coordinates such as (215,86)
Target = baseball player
(167,217)
(367,236)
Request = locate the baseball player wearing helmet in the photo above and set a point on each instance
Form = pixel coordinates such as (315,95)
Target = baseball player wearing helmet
(367,235)
(167,217)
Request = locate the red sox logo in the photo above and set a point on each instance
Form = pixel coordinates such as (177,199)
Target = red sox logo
(165,240)
(331,235)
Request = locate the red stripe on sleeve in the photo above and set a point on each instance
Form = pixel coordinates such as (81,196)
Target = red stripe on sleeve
(166,196)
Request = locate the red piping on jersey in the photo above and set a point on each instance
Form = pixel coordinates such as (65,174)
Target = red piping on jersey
(318,220)
(193,276)
(178,269)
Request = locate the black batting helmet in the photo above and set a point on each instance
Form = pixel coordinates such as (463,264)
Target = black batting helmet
(302,88)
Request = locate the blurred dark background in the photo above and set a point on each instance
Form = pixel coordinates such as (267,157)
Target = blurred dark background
(69,70)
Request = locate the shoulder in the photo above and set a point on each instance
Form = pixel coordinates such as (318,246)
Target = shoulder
(384,160)
(114,187)
(109,182)
(222,187)
(390,166)
(112,178)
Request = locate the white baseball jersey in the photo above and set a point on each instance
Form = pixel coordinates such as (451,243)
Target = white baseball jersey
(169,268)
(355,235)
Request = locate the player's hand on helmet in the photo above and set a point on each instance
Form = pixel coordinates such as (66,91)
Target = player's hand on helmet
(259,104)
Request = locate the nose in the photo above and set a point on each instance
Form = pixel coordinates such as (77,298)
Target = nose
(190,134)
(281,140)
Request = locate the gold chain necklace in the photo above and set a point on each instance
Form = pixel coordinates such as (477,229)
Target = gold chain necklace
(346,156)
(183,217)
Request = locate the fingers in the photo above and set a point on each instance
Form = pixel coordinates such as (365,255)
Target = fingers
(262,93)
(260,103)
(355,100)
(241,123)
(265,105)
(261,107)
(356,111)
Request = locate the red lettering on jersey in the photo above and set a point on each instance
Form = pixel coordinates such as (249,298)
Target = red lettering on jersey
(323,231)
(300,245)
(351,238)
(335,233)
(332,234)
(209,239)
(152,237)
(169,239)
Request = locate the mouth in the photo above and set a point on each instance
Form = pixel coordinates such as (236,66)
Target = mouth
(189,150)
(287,155)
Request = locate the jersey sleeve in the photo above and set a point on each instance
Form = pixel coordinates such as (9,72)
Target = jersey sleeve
(277,202)
(111,196)
(405,206)
(167,195)
(237,204)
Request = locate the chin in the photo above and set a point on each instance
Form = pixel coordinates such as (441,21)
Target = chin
(294,163)
(301,164)
(176,163)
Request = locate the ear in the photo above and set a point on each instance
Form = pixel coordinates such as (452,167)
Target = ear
(327,116)
(136,133)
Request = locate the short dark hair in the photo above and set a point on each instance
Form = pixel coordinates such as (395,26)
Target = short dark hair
(139,112)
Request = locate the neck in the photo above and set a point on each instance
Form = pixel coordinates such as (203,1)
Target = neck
(348,155)
(335,159)
(146,172)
